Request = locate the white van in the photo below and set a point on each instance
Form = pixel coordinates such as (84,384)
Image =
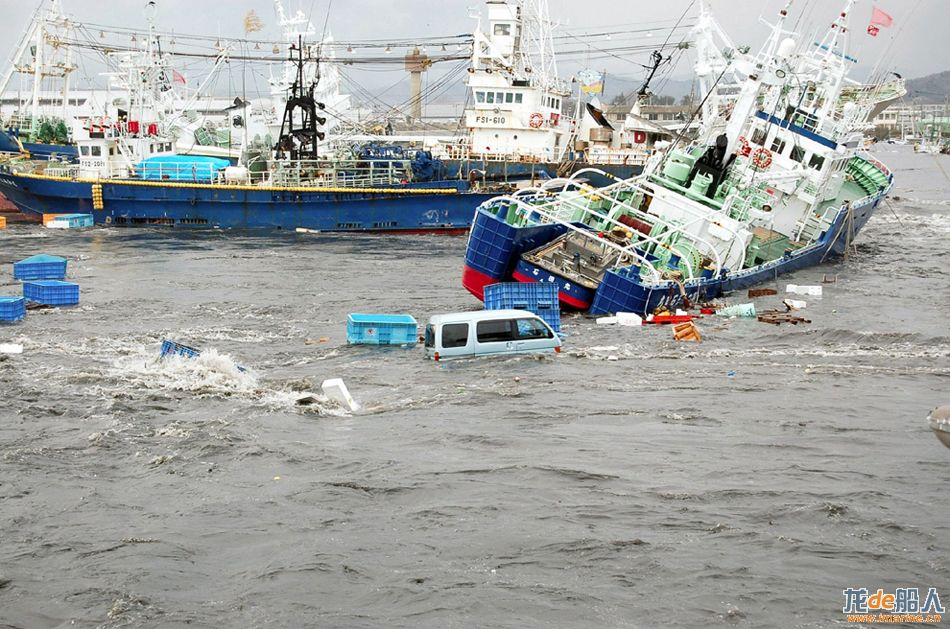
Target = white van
(485,332)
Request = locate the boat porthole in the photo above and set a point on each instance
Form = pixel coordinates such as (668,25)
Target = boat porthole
(108,220)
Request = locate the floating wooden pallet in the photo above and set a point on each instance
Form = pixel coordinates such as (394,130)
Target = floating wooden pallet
(777,317)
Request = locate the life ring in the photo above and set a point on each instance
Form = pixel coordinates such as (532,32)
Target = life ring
(744,147)
(762,158)
(536,120)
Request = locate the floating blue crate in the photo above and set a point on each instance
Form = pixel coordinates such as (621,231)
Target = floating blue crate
(12,309)
(40,267)
(51,292)
(537,297)
(381,329)
(71,221)
(173,348)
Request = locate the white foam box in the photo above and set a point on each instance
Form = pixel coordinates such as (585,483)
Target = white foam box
(629,318)
(337,392)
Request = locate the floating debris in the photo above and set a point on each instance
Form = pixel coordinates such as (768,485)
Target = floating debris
(336,391)
(814,291)
(686,332)
(739,310)
(778,317)
(40,267)
(939,420)
(762,292)
(381,329)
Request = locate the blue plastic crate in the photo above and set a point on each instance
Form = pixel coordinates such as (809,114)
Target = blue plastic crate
(40,267)
(173,348)
(12,309)
(381,329)
(538,297)
(51,292)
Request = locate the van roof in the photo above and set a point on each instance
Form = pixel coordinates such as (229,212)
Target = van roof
(481,315)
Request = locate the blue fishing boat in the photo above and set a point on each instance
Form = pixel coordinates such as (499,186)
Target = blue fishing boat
(128,173)
(773,183)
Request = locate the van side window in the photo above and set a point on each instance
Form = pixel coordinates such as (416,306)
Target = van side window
(532,329)
(454,335)
(495,331)
(430,337)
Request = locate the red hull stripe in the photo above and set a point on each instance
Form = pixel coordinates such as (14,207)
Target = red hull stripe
(476,281)
(573,302)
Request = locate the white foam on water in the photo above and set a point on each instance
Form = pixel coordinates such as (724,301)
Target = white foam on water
(211,374)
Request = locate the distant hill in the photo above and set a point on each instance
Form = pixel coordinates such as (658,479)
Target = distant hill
(933,88)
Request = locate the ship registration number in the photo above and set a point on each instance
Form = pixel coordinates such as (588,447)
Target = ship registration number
(491,120)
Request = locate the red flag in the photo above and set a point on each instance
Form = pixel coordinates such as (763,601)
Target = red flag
(873,30)
(178,77)
(880,18)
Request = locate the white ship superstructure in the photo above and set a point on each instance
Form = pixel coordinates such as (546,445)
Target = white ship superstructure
(517,98)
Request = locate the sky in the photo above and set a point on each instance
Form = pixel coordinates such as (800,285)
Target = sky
(915,45)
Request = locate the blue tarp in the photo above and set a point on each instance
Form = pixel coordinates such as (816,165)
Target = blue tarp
(180,168)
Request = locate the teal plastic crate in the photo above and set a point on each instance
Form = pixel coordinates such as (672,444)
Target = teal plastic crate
(51,292)
(381,329)
(71,221)
(40,267)
(12,309)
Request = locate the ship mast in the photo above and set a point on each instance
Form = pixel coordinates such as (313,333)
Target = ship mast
(536,37)
(299,142)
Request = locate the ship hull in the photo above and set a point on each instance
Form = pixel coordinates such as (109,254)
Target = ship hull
(494,255)
(439,207)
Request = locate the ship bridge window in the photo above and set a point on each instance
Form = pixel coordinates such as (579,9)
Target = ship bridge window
(479,97)
(503,29)
(816,162)
(509,97)
(518,98)
(778,145)
(499,97)
(95,151)
(797,154)
(84,150)
(490,97)
(758,137)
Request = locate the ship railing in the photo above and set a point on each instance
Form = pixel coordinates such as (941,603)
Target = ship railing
(466,152)
(528,208)
(672,228)
(63,172)
(699,215)
(316,173)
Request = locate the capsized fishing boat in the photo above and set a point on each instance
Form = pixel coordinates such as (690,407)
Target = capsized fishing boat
(129,173)
(773,183)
